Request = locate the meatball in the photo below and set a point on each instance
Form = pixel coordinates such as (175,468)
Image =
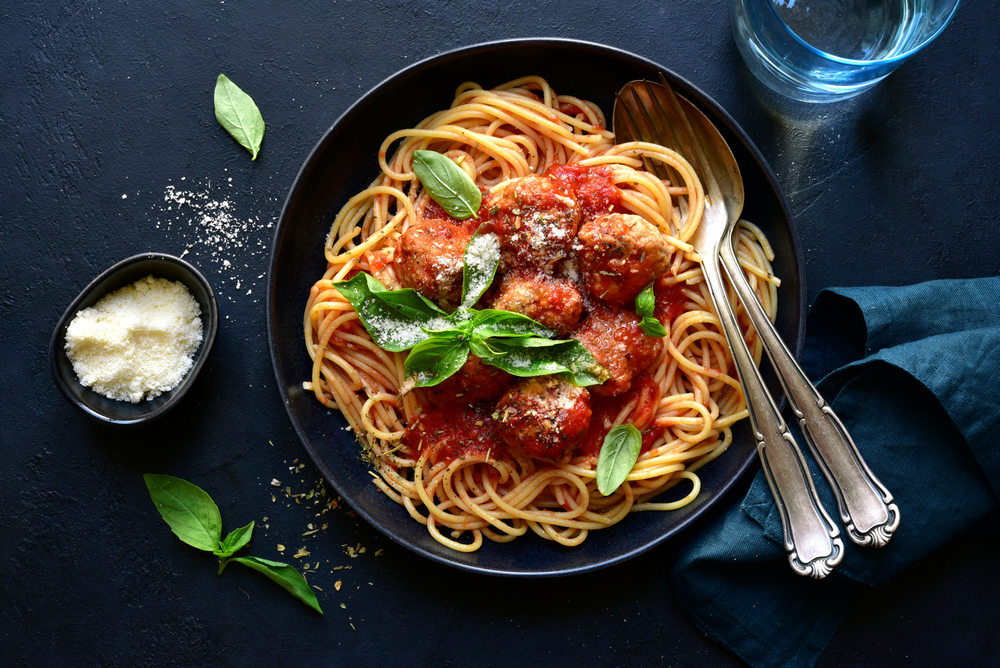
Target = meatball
(619,255)
(474,383)
(536,219)
(429,259)
(544,416)
(616,340)
(554,302)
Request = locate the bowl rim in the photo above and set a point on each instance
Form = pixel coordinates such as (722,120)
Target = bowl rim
(57,344)
(696,96)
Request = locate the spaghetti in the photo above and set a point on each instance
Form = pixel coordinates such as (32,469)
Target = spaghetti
(447,456)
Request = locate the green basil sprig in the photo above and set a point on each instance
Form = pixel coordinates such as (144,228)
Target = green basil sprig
(447,184)
(192,515)
(239,115)
(618,455)
(440,343)
(645,305)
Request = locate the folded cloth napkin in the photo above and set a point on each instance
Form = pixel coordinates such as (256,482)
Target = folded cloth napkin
(913,373)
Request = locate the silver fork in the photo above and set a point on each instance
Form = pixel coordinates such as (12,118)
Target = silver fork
(653,113)
(865,506)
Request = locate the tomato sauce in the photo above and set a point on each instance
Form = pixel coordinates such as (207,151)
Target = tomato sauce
(605,409)
(454,433)
(593,187)
(378,262)
(670,301)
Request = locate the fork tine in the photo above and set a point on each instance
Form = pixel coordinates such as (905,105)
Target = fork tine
(659,128)
(691,150)
(662,133)
(640,134)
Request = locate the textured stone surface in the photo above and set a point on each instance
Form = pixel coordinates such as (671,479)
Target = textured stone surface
(104,106)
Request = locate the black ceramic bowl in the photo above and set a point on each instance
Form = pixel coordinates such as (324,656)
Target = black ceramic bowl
(126,272)
(344,162)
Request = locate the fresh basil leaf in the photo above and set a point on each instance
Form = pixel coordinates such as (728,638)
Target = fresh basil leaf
(517,342)
(645,302)
(187,509)
(409,303)
(235,541)
(237,113)
(392,320)
(568,358)
(618,455)
(481,259)
(435,359)
(492,322)
(488,347)
(285,575)
(653,327)
(447,184)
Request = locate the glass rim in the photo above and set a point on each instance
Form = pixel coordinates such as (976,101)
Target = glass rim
(851,61)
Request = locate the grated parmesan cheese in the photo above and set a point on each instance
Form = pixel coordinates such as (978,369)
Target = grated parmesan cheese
(137,342)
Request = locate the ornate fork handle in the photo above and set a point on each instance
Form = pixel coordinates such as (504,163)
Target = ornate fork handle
(811,539)
(865,505)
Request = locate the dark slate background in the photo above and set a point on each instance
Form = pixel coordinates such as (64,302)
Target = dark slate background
(103,105)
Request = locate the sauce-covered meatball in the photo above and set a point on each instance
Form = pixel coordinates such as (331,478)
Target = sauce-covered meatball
(536,219)
(544,416)
(616,340)
(474,383)
(429,259)
(619,255)
(554,302)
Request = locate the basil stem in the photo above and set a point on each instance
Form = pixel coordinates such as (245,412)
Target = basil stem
(239,115)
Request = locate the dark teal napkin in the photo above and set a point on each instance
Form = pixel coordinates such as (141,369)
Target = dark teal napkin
(914,374)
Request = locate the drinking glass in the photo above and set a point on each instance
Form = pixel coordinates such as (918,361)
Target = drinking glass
(828,50)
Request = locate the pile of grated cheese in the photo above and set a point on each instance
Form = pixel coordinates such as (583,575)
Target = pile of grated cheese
(137,342)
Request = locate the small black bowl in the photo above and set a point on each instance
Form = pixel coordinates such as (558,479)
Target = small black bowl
(126,272)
